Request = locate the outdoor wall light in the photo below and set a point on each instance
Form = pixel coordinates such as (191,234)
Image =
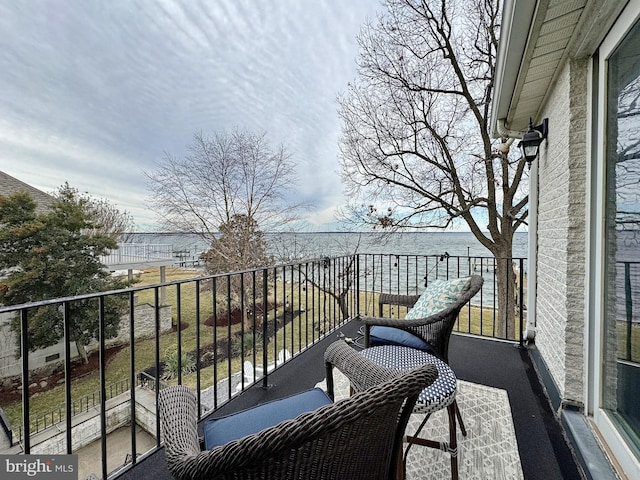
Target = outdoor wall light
(531,141)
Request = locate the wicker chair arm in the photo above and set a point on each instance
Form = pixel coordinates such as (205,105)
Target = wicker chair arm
(397,299)
(361,372)
(178,408)
(402,323)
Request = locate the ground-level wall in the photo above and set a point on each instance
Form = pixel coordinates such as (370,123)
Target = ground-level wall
(86,426)
(50,357)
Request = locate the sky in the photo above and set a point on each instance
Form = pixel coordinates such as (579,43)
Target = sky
(94,92)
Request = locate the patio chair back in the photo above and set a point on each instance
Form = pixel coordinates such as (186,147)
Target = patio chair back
(436,329)
(356,438)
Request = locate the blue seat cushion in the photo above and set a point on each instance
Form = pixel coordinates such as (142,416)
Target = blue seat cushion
(396,336)
(222,430)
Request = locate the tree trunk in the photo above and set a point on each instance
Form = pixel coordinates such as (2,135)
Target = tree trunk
(505,326)
(342,303)
(82,351)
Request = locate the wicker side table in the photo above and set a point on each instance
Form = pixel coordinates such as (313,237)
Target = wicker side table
(441,394)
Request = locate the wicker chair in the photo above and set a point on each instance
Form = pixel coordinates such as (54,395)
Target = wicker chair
(356,438)
(434,331)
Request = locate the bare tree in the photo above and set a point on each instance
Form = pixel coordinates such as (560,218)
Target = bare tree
(416,142)
(228,189)
(106,219)
(224,175)
(334,277)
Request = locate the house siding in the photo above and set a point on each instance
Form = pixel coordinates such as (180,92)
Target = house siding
(561,240)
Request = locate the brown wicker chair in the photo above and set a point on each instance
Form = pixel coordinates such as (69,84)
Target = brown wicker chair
(356,438)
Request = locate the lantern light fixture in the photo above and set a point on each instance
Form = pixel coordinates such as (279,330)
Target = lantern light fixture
(531,140)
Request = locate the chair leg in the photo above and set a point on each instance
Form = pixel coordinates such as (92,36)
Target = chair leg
(400,467)
(463,430)
(451,448)
(453,441)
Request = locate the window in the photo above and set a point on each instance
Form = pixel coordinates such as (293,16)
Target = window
(620,384)
(51,358)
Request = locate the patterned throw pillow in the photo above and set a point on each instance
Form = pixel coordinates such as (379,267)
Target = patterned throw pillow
(439,295)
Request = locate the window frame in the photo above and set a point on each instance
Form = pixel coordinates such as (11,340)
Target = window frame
(605,426)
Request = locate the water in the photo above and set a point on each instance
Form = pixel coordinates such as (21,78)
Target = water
(313,245)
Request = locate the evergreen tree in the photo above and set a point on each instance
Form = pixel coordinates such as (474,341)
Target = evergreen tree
(55,255)
(240,246)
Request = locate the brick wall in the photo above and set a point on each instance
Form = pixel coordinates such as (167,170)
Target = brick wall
(561,240)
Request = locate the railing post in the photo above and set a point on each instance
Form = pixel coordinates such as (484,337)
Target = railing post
(521,295)
(156,386)
(628,305)
(198,353)
(229,350)
(179,332)
(132,376)
(103,390)
(265,320)
(214,296)
(357,284)
(67,373)
(25,380)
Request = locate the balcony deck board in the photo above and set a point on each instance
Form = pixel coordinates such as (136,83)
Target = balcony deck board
(544,453)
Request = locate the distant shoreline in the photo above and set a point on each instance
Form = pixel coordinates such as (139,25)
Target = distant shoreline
(330,232)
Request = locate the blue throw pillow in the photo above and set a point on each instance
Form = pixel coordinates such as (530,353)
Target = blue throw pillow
(221,431)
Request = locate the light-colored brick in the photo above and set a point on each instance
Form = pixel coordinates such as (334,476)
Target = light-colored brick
(561,248)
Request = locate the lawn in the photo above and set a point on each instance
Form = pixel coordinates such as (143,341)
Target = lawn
(310,305)
(298,334)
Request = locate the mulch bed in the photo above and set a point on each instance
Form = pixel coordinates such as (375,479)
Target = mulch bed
(78,370)
(222,318)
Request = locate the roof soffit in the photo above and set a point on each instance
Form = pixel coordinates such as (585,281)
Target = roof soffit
(557,31)
(552,31)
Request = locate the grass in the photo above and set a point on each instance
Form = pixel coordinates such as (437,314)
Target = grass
(118,368)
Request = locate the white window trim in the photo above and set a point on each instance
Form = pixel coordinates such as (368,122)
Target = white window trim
(607,429)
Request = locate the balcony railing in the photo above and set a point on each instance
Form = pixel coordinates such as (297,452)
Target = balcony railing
(139,253)
(219,335)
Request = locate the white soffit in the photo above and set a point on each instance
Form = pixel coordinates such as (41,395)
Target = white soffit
(552,29)
(537,38)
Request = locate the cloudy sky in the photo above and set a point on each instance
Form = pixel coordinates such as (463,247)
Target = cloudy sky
(93,92)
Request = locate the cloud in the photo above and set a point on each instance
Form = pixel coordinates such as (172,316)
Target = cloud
(95,92)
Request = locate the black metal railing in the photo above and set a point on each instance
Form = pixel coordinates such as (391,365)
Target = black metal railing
(220,334)
(410,274)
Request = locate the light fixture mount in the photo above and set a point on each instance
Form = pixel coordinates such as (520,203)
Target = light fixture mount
(531,140)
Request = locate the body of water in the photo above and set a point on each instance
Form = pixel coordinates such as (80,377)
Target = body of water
(314,245)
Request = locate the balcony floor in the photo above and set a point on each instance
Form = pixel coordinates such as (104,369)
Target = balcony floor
(543,451)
